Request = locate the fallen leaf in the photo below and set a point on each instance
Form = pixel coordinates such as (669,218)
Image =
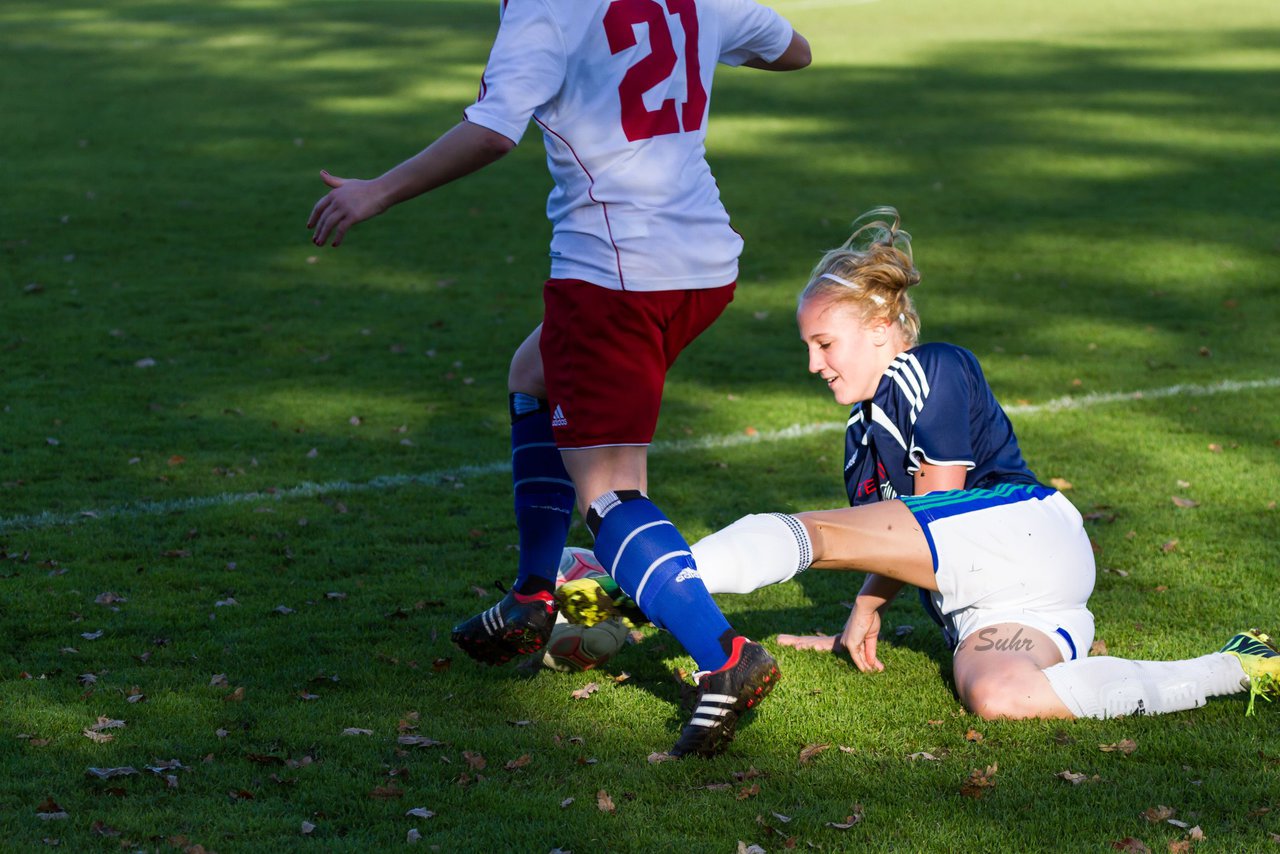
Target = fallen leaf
(973,735)
(1060,484)
(418,741)
(585,691)
(412,836)
(420,812)
(519,762)
(1124,745)
(655,758)
(604,802)
(979,781)
(307,828)
(1179,501)
(389,791)
(50,811)
(849,821)
(810,751)
(1158,813)
(1169,546)
(565,803)
(1099,647)
(219,680)
(744,848)
(108,773)
(474,760)
(235,696)
(101,828)
(1131,844)
(355,730)
(924,755)
(106,723)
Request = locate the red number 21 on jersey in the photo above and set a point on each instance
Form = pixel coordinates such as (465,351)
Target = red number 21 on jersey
(639,122)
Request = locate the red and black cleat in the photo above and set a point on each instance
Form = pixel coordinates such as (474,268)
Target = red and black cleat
(724,695)
(517,625)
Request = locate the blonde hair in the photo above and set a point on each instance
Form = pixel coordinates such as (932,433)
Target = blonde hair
(871,272)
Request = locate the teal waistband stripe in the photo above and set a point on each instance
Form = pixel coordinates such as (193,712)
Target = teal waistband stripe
(940,505)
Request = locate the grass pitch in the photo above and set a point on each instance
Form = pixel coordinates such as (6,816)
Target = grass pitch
(247,486)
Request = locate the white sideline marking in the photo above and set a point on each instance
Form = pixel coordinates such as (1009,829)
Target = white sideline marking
(459,474)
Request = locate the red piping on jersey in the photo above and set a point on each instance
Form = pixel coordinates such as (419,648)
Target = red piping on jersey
(604,207)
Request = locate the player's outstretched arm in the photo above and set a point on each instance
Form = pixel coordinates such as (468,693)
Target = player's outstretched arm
(462,150)
(861,633)
(796,56)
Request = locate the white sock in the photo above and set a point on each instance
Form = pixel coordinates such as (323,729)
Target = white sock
(1107,687)
(756,550)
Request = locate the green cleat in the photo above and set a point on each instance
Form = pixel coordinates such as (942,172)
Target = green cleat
(1261,662)
(597,598)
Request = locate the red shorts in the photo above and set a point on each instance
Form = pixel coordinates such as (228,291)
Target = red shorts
(605,356)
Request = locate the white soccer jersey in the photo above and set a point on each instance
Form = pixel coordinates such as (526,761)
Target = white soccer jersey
(621,91)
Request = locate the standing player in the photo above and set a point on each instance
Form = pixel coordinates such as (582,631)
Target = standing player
(643,260)
(942,499)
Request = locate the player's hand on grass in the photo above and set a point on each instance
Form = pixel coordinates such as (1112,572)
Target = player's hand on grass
(820,643)
(350,201)
(860,636)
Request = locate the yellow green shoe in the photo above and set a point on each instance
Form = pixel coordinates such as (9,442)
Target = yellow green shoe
(597,598)
(1261,662)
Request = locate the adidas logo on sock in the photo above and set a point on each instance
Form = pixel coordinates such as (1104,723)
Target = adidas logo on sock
(686,574)
(558,419)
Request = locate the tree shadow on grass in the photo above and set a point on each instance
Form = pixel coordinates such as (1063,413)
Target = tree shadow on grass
(1014,160)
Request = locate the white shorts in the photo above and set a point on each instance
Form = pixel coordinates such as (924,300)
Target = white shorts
(1012,554)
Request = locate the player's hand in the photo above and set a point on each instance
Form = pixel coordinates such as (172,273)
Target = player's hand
(348,202)
(821,643)
(860,637)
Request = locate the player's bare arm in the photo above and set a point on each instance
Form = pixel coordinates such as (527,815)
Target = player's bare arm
(796,56)
(931,478)
(464,149)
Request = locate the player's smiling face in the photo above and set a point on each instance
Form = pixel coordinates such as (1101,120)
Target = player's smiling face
(848,355)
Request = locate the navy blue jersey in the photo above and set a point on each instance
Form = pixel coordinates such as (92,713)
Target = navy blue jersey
(933,405)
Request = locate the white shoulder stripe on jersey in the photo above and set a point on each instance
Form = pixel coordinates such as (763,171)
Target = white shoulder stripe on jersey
(909,375)
(917,370)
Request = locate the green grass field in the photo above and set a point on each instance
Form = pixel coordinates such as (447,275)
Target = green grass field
(247,485)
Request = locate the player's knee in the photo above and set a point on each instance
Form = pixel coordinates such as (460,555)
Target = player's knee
(999,696)
(525,373)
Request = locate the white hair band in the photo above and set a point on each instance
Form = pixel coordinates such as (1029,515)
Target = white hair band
(839,281)
(875,298)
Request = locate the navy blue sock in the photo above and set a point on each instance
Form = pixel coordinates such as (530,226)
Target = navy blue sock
(544,494)
(651,562)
